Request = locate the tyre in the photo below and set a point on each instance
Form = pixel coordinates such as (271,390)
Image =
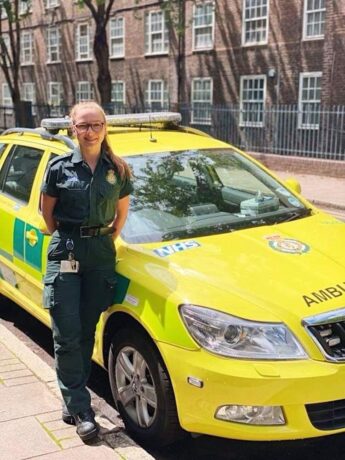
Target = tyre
(142,389)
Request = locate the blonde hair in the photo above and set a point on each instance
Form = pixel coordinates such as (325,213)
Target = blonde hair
(120,164)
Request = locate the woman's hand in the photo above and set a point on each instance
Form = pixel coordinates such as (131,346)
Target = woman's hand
(121,216)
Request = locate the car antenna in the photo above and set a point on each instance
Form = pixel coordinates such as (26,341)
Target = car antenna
(152,139)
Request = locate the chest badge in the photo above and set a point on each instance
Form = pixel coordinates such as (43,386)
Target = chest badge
(110,177)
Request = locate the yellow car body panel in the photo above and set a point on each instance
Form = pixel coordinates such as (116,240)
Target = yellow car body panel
(243,273)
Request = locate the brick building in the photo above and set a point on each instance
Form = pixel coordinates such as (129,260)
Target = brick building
(245,52)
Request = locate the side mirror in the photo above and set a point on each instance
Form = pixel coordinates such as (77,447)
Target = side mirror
(293,184)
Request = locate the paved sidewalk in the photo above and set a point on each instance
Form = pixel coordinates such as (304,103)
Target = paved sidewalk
(30,414)
(326,193)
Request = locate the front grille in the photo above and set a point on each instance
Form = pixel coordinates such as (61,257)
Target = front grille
(331,337)
(328,331)
(328,415)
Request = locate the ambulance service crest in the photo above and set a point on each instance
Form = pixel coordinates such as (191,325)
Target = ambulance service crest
(110,177)
(287,245)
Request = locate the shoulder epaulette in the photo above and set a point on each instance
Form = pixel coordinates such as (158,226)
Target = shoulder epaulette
(60,158)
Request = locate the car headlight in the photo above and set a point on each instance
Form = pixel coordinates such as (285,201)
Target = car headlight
(228,335)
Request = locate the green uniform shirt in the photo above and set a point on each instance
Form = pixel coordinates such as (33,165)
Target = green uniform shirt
(84,198)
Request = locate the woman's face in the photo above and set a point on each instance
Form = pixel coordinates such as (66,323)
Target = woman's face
(89,127)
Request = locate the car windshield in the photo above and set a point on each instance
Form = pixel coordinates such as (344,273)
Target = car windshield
(203,192)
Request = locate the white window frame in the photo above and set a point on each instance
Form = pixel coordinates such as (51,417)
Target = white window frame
(51,4)
(29,94)
(251,123)
(83,41)
(26,47)
(246,21)
(163,100)
(150,33)
(6,39)
(306,16)
(84,91)
(113,92)
(203,27)
(55,93)
(25,7)
(311,102)
(53,48)
(194,102)
(117,37)
(6,99)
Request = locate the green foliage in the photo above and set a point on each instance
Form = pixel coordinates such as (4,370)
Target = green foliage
(159,191)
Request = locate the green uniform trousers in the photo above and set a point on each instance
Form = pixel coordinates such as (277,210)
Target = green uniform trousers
(75,302)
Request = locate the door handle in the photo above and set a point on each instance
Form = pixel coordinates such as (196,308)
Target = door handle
(32,237)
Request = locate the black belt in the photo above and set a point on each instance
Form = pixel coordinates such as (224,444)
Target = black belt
(87,232)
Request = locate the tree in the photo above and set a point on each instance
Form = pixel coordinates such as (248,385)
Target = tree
(100,11)
(10,55)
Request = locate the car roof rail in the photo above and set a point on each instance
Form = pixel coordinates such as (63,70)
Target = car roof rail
(165,119)
(41,133)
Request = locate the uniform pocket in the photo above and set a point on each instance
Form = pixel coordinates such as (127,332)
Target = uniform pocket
(110,282)
(74,199)
(109,191)
(49,290)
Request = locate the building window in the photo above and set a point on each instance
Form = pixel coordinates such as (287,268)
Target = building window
(84,91)
(156,33)
(83,42)
(25,7)
(314,19)
(202,97)
(309,100)
(6,98)
(203,26)
(156,96)
(255,22)
(26,50)
(29,94)
(55,98)
(253,93)
(117,37)
(6,48)
(118,95)
(6,95)
(52,3)
(53,44)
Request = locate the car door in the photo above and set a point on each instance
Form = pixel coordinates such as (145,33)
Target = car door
(21,240)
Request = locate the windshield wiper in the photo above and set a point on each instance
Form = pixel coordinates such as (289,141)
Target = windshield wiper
(294,214)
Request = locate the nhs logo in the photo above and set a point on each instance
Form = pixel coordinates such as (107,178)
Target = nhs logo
(176,247)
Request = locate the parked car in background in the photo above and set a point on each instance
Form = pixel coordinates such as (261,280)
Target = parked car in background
(229,318)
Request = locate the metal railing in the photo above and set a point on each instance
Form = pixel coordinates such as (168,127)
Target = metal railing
(316,131)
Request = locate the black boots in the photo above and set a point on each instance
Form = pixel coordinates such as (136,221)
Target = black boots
(87,427)
(66,416)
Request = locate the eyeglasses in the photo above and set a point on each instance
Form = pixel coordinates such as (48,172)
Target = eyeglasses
(84,127)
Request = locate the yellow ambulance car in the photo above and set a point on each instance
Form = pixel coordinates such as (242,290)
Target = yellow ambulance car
(230,310)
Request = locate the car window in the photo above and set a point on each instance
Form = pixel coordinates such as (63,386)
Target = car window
(202,192)
(18,172)
(2,149)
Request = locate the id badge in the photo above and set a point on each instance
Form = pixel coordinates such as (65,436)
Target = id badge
(69,266)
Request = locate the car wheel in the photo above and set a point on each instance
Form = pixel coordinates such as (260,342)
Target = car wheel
(142,389)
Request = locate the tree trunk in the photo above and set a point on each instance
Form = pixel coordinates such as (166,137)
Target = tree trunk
(101,52)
